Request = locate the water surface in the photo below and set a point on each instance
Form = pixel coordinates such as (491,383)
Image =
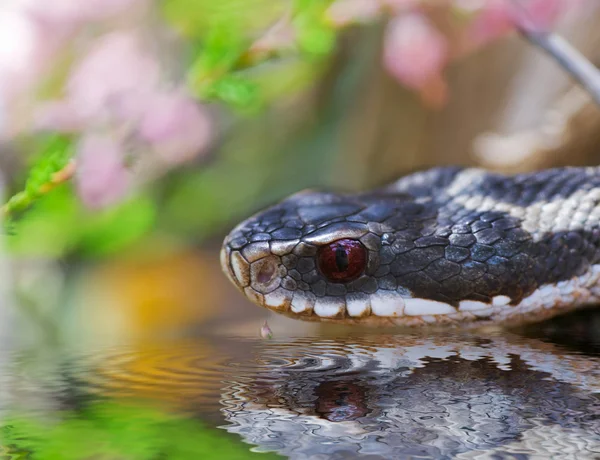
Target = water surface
(352,395)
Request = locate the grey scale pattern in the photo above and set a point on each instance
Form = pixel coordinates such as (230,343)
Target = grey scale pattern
(424,239)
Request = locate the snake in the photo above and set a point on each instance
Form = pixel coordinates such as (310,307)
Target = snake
(451,246)
(451,395)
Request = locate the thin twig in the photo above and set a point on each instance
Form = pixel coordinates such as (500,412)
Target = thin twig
(23,200)
(580,68)
(571,60)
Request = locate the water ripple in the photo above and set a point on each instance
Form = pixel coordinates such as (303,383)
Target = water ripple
(376,397)
(410,397)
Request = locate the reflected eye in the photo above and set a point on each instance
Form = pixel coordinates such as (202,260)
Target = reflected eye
(342,260)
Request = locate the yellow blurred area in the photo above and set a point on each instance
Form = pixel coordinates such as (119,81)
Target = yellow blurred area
(154,296)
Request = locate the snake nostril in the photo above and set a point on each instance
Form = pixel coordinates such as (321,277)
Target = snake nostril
(266,271)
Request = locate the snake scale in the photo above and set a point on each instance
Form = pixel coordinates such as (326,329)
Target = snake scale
(449,245)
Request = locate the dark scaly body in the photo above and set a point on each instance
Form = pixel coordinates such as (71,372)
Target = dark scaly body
(447,245)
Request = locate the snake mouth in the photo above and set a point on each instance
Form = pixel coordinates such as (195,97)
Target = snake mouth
(262,277)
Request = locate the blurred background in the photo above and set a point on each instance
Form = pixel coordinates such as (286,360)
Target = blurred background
(134,134)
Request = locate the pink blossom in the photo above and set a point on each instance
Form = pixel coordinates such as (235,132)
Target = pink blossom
(32,32)
(266,332)
(176,126)
(415,53)
(102,178)
(492,21)
(116,68)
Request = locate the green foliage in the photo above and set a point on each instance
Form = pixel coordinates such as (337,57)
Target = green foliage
(316,37)
(116,429)
(222,33)
(213,76)
(236,91)
(54,154)
(194,19)
(59,224)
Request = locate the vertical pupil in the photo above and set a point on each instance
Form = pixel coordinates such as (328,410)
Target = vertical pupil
(341,259)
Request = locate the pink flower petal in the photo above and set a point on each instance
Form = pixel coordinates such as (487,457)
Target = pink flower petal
(102,178)
(115,67)
(176,126)
(414,51)
(494,20)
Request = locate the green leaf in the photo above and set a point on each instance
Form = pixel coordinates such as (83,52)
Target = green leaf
(219,52)
(120,429)
(111,230)
(50,228)
(59,225)
(235,91)
(196,18)
(316,36)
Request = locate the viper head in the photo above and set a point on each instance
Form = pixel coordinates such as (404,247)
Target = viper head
(367,258)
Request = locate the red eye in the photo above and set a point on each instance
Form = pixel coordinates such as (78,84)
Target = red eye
(342,260)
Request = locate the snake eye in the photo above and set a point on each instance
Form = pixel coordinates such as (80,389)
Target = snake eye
(342,260)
